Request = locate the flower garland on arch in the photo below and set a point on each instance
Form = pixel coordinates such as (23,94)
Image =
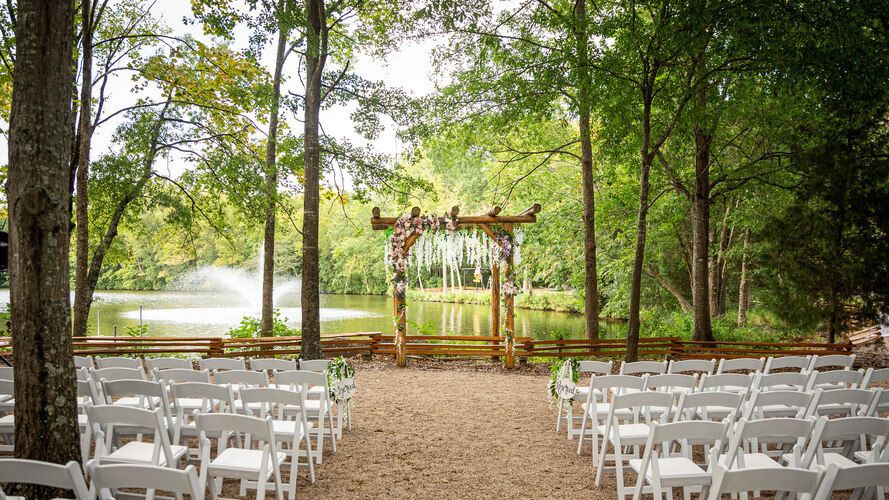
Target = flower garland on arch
(405,227)
(508,289)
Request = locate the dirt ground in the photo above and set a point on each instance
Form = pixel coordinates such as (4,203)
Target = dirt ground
(427,432)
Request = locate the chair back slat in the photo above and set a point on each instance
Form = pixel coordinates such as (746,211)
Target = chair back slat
(111,477)
(67,477)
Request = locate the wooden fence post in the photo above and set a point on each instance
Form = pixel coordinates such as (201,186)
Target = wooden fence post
(676,348)
(216,347)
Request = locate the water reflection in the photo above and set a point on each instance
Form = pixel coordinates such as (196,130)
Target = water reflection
(214,313)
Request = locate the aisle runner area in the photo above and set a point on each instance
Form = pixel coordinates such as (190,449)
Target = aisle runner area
(446,434)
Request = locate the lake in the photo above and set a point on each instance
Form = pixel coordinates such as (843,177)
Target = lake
(214,313)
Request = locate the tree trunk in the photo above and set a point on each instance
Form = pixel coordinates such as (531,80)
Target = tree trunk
(527,285)
(95,267)
(81,308)
(591,280)
(638,259)
(670,288)
(271,179)
(743,288)
(38,190)
(700,202)
(316,56)
(719,286)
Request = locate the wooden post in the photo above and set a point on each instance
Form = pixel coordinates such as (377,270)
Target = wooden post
(495,303)
(216,346)
(510,313)
(400,310)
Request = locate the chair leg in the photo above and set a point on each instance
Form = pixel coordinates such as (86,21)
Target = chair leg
(583,431)
(569,419)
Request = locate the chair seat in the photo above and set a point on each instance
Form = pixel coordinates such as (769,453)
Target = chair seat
(238,462)
(864,456)
(629,433)
(713,412)
(675,471)
(189,404)
(139,452)
(753,461)
(602,410)
(773,411)
(134,401)
(829,458)
(834,409)
(284,429)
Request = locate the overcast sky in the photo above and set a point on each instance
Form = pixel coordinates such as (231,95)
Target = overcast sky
(409,68)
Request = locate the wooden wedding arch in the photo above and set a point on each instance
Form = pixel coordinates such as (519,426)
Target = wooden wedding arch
(488,223)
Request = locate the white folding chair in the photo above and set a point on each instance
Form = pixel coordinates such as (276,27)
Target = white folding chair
(105,419)
(248,463)
(238,379)
(66,477)
(87,392)
(858,477)
(633,432)
(138,394)
(270,364)
(785,381)
(664,468)
(84,362)
(118,362)
(108,478)
(835,379)
(843,361)
(709,405)
(749,448)
(751,365)
(168,363)
(319,410)
(872,376)
(798,363)
(7,418)
(176,375)
(673,383)
(776,404)
(641,367)
(115,373)
(294,432)
(7,373)
(314,365)
(595,412)
(566,410)
(880,404)
(692,365)
(221,364)
(842,441)
(200,396)
(800,481)
(845,403)
(727,382)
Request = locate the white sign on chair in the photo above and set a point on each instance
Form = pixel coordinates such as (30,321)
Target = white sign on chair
(345,389)
(565,386)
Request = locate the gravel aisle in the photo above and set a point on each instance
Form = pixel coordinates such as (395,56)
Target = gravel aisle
(428,433)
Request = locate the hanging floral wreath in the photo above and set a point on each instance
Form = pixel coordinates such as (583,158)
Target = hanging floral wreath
(567,368)
(339,370)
